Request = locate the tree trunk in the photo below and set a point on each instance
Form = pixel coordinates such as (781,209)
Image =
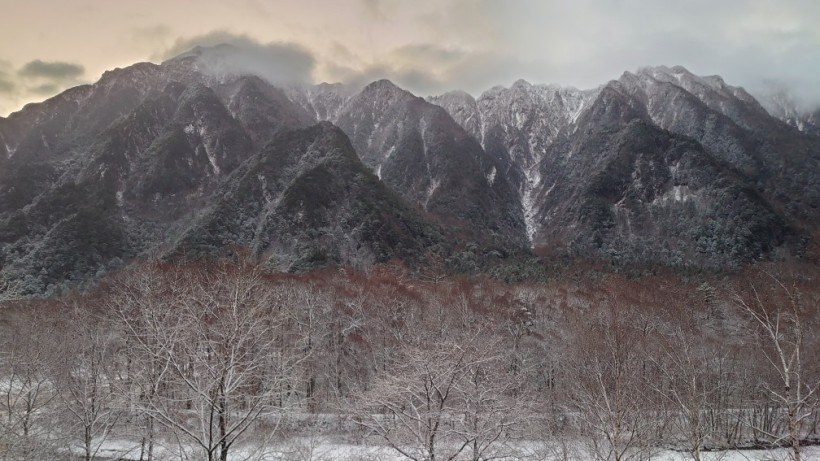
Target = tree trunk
(150,438)
(794,429)
(87,442)
(223,422)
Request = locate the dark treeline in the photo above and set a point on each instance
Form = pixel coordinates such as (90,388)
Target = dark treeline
(218,358)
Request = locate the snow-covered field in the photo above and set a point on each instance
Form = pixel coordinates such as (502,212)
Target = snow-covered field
(328,449)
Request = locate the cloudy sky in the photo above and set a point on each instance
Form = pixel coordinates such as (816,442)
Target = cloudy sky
(426,46)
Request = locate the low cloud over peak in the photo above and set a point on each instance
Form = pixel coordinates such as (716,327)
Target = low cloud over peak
(35,80)
(224,52)
(425,46)
(56,70)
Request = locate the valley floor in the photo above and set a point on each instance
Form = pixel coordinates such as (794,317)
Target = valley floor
(334,449)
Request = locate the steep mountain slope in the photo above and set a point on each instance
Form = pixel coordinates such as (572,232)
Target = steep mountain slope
(143,162)
(638,193)
(419,151)
(324,101)
(102,192)
(650,167)
(783,105)
(781,162)
(621,188)
(262,109)
(516,126)
(176,161)
(305,201)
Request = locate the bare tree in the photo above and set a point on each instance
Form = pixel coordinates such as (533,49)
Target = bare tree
(688,385)
(227,359)
(489,398)
(442,398)
(10,290)
(413,407)
(780,322)
(609,393)
(141,304)
(27,351)
(84,377)
(310,308)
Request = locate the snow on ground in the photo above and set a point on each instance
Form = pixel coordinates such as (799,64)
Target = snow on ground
(329,449)
(809,453)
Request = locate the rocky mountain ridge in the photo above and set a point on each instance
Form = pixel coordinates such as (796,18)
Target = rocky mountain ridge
(782,104)
(175,161)
(564,165)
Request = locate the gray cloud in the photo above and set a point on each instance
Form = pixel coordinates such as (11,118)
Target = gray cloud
(45,89)
(428,69)
(374,8)
(35,80)
(339,51)
(7,84)
(417,81)
(224,52)
(413,78)
(586,43)
(428,53)
(153,37)
(430,46)
(56,70)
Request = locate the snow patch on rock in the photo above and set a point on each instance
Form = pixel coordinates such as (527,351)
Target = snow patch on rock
(431,189)
(205,135)
(491,177)
(529,205)
(9,150)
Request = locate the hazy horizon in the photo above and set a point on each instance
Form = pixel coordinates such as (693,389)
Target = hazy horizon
(428,47)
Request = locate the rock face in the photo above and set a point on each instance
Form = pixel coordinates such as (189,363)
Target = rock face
(170,161)
(306,201)
(421,153)
(660,165)
(516,126)
(783,105)
(176,161)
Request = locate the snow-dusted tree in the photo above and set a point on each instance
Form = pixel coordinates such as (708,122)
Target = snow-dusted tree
(689,385)
(310,306)
(608,388)
(489,398)
(10,290)
(141,303)
(230,358)
(27,396)
(84,377)
(442,398)
(779,315)
(413,408)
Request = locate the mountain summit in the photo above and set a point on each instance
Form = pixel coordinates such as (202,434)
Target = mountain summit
(176,161)
(658,165)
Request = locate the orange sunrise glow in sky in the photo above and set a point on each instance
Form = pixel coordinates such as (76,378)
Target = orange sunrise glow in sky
(426,46)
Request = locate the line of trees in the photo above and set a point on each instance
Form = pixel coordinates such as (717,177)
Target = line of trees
(202,361)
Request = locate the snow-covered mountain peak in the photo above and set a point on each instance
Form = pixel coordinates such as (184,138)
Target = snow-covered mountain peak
(523,104)
(455,95)
(782,104)
(463,108)
(383,94)
(666,74)
(680,76)
(384,86)
(521,83)
(517,126)
(324,101)
(652,84)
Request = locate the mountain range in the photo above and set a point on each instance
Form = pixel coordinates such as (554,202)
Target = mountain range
(174,161)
